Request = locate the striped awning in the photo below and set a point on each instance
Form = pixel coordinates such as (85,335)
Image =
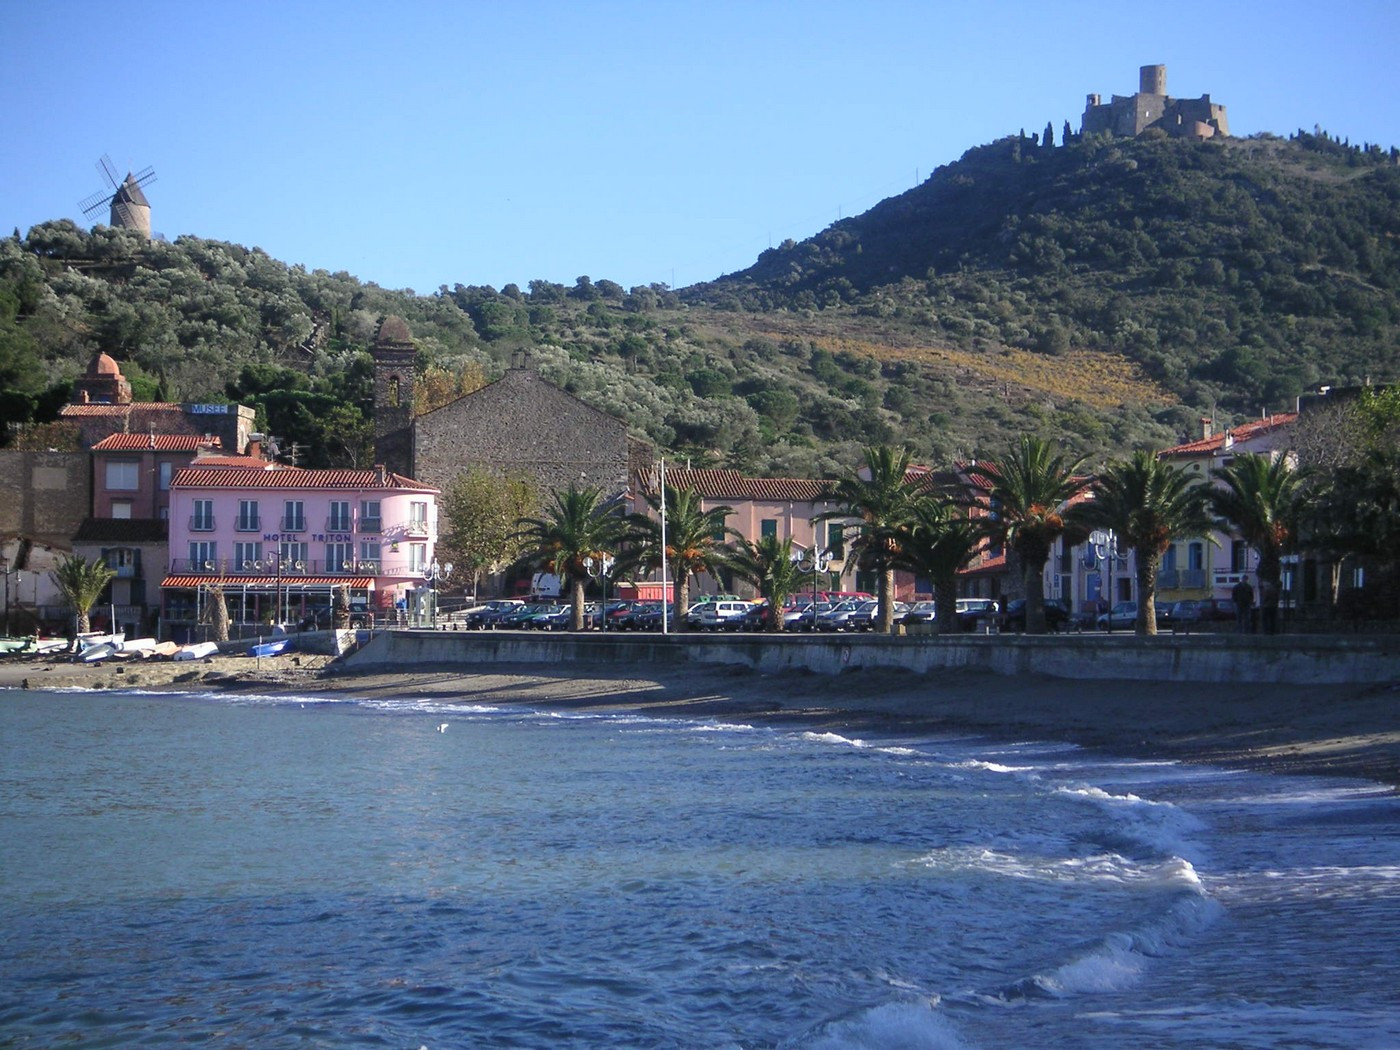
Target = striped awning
(191,582)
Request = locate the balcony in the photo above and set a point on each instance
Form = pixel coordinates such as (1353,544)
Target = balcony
(270,569)
(416,527)
(338,524)
(294,524)
(202,523)
(1181,579)
(371,525)
(250,524)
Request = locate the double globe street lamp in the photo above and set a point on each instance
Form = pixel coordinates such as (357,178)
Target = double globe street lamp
(433,573)
(815,560)
(598,567)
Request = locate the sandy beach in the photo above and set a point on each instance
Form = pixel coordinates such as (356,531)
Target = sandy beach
(1339,730)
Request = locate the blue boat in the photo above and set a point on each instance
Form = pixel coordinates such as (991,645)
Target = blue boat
(272,648)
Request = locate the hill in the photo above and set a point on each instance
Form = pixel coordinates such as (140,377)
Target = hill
(1103,291)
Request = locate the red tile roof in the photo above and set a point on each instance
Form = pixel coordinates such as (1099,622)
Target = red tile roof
(196,476)
(251,462)
(1244,432)
(122,410)
(155,443)
(732,485)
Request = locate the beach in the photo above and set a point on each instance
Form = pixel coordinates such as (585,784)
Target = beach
(1335,730)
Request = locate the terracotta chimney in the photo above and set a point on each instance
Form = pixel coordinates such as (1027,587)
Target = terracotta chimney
(1207,426)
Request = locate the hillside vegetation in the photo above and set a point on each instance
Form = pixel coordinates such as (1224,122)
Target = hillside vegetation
(1102,292)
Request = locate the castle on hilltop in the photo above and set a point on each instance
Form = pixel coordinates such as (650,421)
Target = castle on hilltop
(1152,107)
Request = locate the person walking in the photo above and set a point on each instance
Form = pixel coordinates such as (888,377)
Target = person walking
(1242,594)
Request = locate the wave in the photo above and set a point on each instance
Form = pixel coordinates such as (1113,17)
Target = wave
(902,1024)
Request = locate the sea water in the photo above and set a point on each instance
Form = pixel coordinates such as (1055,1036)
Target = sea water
(287,871)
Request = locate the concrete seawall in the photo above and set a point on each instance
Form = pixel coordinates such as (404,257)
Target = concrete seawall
(1287,660)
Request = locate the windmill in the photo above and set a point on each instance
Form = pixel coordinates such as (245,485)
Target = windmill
(129,207)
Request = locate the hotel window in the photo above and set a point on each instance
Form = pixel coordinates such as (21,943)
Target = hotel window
(248,518)
(202,516)
(293,516)
(369,555)
(417,557)
(418,516)
(246,556)
(340,516)
(204,555)
(123,475)
(768,527)
(340,557)
(291,554)
(369,515)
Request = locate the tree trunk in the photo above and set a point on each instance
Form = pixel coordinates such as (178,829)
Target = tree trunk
(576,584)
(1147,591)
(682,589)
(886,595)
(945,597)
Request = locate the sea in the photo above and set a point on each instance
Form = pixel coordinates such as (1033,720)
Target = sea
(300,871)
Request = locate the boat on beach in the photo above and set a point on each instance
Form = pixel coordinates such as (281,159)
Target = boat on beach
(272,648)
(197,651)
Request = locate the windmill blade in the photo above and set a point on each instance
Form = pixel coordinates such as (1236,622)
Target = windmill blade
(106,167)
(91,205)
(145,175)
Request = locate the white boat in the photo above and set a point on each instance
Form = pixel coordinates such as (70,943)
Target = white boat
(91,638)
(100,651)
(138,646)
(197,651)
(272,648)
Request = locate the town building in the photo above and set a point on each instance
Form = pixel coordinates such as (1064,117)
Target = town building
(521,425)
(1152,107)
(280,541)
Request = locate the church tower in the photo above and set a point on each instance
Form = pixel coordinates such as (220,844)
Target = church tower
(395,384)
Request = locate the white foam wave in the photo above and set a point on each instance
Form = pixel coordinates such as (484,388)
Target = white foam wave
(1164,828)
(834,738)
(1118,961)
(1171,874)
(899,1025)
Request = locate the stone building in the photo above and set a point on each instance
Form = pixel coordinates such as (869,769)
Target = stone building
(521,424)
(1152,107)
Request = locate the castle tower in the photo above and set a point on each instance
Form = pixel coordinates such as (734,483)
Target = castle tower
(102,383)
(130,209)
(395,384)
(1152,80)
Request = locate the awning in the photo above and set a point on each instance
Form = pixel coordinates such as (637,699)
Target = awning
(271,582)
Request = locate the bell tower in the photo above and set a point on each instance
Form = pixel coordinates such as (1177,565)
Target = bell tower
(395,384)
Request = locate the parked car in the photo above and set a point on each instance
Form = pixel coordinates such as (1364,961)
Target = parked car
(516,617)
(548,618)
(1057,615)
(837,617)
(921,612)
(489,614)
(866,617)
(1122,615)
(793,616)
(971,611)
(803,621)
(647,617)
(723,615)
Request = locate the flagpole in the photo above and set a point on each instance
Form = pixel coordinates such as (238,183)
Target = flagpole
(665,628)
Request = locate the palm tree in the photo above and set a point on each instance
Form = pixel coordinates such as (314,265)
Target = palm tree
(580,525)
(1260,498)
(769,566)
(81,583)
(1028,491)
(1146,502)
(885,504)
(941,542)
(695,542)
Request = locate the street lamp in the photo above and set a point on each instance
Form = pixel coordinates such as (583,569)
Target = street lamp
(432,574)
(5,569)
(1105,546)
(598,567)
(816,561)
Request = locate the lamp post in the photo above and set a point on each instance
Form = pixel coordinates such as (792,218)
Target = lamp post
(598,567)
(5,569)
(1105,545)
(432,574)
(816,561)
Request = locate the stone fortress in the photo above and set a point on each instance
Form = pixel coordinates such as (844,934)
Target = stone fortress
(1152,107)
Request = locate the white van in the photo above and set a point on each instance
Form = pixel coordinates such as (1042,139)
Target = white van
(723,615)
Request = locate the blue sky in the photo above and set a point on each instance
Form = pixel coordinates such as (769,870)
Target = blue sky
(420,144)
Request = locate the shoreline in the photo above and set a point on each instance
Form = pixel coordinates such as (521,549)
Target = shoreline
(1329,730)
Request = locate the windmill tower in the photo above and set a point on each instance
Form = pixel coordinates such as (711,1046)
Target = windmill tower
(129,208)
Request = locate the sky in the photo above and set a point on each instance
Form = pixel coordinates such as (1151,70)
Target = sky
(420,144)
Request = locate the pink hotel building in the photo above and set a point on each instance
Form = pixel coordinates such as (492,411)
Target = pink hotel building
(280,541)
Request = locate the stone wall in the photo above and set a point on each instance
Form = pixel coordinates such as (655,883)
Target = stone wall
(523,424)
(1220,658)
(46,495)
